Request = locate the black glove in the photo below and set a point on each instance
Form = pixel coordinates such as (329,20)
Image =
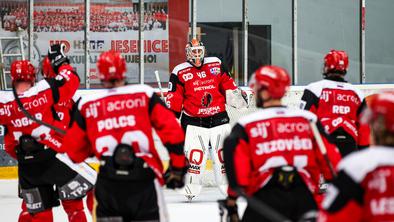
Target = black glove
(57,57)
(228,210)
(175,177)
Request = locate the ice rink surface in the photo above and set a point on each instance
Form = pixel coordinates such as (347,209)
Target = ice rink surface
(202,208)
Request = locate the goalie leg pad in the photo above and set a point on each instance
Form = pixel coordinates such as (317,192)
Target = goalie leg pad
(75,189)
(196,150)
(217,135)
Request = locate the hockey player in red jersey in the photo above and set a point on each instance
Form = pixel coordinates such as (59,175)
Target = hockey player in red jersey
(199,89)
(338,104)
(116,125)
(272,154)
(62,112)
(364,188)
(35,146)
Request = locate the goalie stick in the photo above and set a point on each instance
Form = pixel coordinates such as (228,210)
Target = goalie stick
(322,147)
(159,85)
(28,115)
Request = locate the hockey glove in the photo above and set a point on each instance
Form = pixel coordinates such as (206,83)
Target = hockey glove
(57,57)
(175,177)
(228,210)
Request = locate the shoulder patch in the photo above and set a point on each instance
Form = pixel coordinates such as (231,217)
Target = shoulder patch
(180,67)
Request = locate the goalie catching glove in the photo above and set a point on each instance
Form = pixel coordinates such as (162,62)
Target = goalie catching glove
(237,98)
(175,177)
(228,210)
(57,57)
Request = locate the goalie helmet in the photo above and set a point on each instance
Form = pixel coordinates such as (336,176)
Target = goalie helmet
(195,52)
(23,70)
(336,61)
(381,105)
(111,66)
(46,68)
(272,78)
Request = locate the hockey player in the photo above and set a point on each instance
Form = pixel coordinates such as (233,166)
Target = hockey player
(338,104)
(62,112)
(272,154)
(200,88)
(115,125)
(35,146)
(364,188)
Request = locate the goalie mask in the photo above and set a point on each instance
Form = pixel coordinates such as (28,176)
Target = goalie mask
(274,79)
(195,52)
(23,70)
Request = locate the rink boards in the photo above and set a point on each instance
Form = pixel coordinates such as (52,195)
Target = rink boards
(8,168)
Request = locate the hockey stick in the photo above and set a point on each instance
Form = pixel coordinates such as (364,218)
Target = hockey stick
(322,147)
(262,208)
(28,115)
(159,84)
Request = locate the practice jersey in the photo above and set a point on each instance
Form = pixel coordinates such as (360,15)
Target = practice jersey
(364,188)
(38,101)
(337,105)
(125,115)
(274,137)
(199,92)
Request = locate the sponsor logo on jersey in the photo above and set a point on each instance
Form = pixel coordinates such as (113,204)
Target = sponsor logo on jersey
(116,122)
(209,111)
(281,145)
(379,180)
(187,76)
(348,98)
(325,96)
(120,105)
(36,103)
(382,206)
(5,111)
(292,127)
(215,70)
(92,110)
(202,82)
(2,131)
(203,88)
(260,130)
(206,100)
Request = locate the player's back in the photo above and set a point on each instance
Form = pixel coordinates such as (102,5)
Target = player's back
(370,175)
(37,101)
(280,136)
(335,99)
(118,115)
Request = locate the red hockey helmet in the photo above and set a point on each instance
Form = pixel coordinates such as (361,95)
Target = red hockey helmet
(23,70)
(46,68)
(381,105)
(273,78)
(111,66)
(336,61)
(195,52)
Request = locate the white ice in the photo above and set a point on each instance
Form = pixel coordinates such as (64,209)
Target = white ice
(203,208)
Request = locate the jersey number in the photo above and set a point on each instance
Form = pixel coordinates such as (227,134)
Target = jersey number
(107,144)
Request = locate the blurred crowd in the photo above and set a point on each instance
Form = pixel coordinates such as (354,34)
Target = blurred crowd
(14,15)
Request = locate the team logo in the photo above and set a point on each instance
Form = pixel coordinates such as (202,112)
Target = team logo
(206,99)
(187,76)
(215,70)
